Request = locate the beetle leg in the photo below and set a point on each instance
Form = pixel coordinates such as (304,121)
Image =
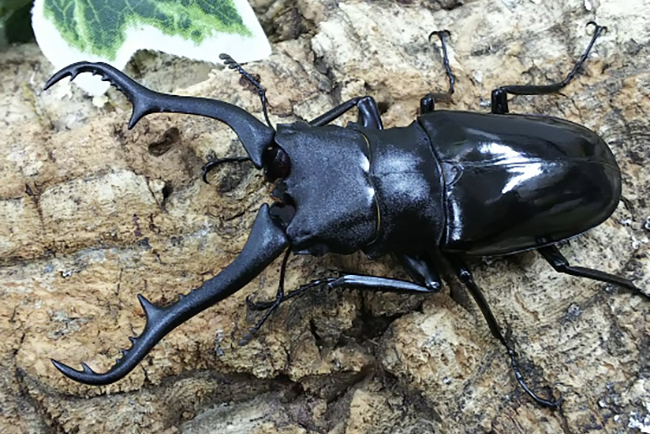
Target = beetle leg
(465,276)
(347,280)
(357,281)
(500,95)
(368,113)
(264,305)
(561,265)
(421,271)
(427,103)
(386,284)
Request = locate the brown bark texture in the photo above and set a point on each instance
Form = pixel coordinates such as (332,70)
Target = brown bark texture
(92,214)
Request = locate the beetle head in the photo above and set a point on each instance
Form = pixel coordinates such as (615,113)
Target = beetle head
(325,198)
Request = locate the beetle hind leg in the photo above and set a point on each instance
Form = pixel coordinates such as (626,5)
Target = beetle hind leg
(467,279)
(561,265)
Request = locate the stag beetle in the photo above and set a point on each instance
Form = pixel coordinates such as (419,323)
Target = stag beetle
(450,184)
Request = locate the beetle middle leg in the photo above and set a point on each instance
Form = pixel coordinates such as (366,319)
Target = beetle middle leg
(467,279)
(427,103)
(421,271)
(561,265)
(500,95)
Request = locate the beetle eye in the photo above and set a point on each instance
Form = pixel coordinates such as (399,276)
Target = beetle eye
(276,164)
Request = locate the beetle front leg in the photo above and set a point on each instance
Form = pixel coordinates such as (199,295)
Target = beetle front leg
(466,277)
(368,116)
(500,95)
(355,281)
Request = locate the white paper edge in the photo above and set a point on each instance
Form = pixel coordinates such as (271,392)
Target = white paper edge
(61,54)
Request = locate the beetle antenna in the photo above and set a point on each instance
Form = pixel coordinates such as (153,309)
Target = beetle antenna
(232,64)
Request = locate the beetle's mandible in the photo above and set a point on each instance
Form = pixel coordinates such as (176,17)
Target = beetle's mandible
(450,184)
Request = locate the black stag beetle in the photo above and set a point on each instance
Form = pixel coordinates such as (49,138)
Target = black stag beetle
(450,184)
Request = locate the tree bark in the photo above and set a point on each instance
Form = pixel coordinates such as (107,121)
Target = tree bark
(92,214)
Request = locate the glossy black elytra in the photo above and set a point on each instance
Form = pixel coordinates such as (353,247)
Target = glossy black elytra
(450,184)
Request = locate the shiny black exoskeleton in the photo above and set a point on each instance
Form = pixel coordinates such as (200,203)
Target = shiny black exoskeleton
(450,184)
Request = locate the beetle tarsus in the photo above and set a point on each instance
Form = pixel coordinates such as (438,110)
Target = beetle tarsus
(279,298)
(264,305)
(252,331)
(552,403)
(428,102)
(601,30)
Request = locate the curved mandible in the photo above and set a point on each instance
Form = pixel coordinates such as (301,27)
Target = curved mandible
(265,243)
(254,135)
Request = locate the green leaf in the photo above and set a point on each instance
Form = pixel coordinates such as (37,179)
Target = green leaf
(100,26)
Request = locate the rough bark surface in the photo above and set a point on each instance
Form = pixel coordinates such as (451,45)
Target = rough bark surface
(92,214)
